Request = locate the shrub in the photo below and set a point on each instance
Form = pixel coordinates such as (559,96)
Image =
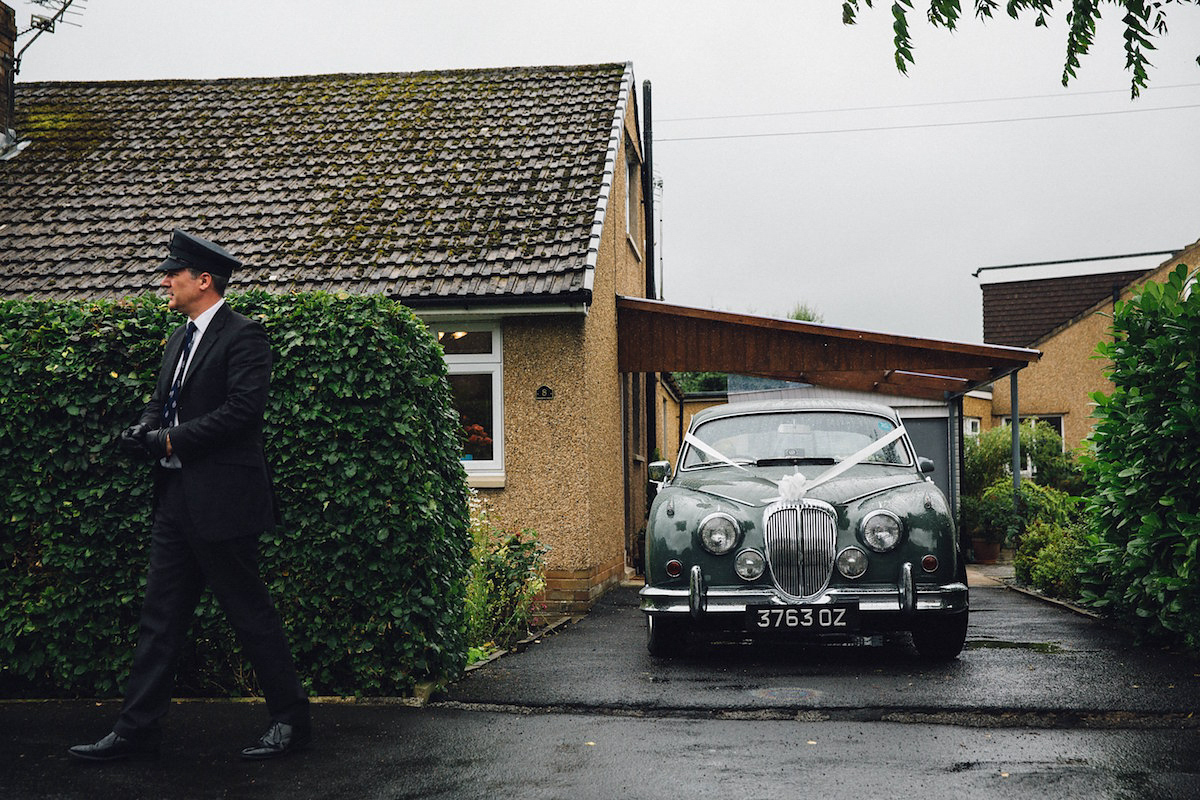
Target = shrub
(1052,557)
(505,578)
(994,516)
(988,457)
(369,564)
(1146,510)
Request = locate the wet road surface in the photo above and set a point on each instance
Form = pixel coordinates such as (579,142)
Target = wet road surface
(1043,703)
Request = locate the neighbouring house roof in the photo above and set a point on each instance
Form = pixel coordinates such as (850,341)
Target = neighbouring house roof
(1021,313)
(431,187)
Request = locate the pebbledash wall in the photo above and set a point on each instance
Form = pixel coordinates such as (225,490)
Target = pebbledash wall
(564,474)
(1061,383)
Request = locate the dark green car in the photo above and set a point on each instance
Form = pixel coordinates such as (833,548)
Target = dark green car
(802,519)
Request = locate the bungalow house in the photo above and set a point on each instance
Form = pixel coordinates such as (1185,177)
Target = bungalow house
(504,206)
(1065,318)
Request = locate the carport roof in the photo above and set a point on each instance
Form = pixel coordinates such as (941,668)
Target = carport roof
(654,336)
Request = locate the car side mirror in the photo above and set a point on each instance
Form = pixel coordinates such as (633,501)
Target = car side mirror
(659,471)
(926,464)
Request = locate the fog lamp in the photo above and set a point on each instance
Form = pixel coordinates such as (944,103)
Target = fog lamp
(852,562)
(929,563)
(749,565)
(674,569)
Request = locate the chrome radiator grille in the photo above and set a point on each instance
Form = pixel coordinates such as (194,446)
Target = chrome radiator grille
(801,546)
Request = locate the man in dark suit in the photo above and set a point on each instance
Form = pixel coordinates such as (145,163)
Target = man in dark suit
(212,501)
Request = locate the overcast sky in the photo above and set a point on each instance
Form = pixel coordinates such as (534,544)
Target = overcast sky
(797,164)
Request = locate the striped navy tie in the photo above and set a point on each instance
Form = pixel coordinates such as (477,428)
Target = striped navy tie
(171,407)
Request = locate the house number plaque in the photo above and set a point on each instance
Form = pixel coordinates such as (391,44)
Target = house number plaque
(545,393)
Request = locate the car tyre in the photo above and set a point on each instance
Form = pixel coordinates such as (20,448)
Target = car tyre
(665,637)
(941,638)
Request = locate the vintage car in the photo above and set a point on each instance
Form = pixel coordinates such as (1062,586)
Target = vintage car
(802,519)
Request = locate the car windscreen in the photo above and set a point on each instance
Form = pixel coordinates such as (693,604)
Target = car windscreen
(816,436)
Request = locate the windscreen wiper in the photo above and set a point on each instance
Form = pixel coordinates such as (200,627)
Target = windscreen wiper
(786,461)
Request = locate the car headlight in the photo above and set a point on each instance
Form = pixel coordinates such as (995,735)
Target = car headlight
(750,565)
(719,533)
(881,531)
(852,562)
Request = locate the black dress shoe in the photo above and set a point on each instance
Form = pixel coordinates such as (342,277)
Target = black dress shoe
(115,747)
(280,739)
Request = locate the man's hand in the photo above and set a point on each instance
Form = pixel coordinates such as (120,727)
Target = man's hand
(158,442)
(133,439)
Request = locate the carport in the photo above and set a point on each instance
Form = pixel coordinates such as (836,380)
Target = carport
(653,336)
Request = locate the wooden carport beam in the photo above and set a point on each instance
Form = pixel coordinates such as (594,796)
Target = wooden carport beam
(659,337)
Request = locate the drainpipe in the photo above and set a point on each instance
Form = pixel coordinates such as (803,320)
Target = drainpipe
(651,291)
(648,187)
(1016,442)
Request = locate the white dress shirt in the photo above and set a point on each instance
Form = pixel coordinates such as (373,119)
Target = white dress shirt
(201,322)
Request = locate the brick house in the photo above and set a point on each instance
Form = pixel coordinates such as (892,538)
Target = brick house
(503,205)
(1065,318)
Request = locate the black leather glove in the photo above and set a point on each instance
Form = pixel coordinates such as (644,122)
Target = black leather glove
(132,439)
(156,442)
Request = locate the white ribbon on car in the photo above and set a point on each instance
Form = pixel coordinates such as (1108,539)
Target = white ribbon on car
(793,488)
(708,451)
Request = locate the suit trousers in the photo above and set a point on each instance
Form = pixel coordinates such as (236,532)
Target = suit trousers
(181,565)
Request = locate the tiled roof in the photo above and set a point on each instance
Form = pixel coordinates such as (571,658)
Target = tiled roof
(428,187)
(1019,313)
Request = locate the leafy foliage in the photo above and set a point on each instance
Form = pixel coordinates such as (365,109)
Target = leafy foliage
(995,517)
(803,312)
(1142,20)
(368,567)
(988,457)
(507,575)
(1146,535)
(702,381)
(1053,557)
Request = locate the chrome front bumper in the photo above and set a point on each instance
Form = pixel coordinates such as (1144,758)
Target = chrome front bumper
(903,598)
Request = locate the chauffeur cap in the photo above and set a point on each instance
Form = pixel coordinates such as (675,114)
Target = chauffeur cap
(192,252)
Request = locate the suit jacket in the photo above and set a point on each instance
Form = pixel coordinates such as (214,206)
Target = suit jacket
(218,436)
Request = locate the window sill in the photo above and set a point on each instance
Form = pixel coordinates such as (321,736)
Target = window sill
(485,481)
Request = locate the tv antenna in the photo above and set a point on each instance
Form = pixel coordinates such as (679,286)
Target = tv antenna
(43,23)
(58,12)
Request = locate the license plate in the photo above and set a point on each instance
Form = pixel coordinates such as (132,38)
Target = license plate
(836,618)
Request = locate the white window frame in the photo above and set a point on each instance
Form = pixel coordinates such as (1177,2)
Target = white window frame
(481,474)
(633,196)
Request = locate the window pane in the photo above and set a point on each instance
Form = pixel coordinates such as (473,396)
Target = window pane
(473,400)
(457,343)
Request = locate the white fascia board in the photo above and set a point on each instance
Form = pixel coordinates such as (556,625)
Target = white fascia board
(615,139)
(482,313)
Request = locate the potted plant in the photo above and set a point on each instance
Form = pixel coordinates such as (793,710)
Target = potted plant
(986,521)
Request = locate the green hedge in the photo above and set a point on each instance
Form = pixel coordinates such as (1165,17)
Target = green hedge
(368,566)
(1146,507)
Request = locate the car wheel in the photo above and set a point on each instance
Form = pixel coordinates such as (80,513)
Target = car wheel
(941,638)
(665,637)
